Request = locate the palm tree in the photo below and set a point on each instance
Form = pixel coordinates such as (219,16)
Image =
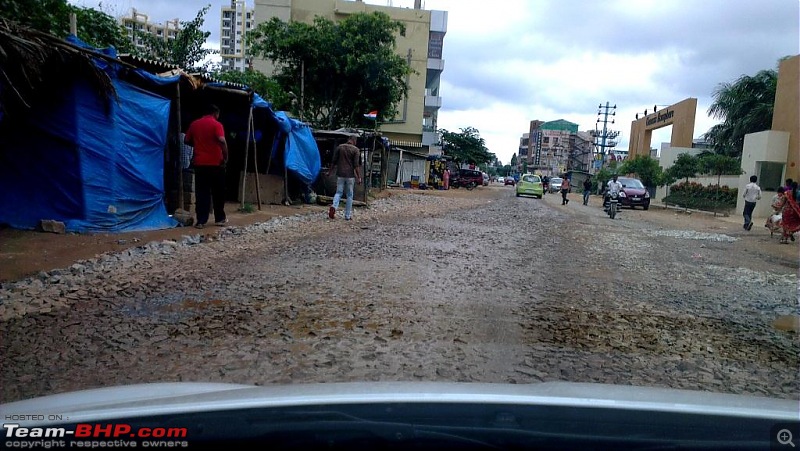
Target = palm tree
(744,106)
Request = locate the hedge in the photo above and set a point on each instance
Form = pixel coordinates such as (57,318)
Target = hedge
(698,196)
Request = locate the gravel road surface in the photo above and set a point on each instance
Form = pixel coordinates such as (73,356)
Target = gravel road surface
(467,286)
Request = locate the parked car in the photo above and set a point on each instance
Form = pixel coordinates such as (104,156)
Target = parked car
(466,176)
(530,185)
(633,193)
(485,179)
(509,181)
(555,184)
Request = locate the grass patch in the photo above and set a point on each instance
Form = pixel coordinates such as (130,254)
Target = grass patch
(247,208)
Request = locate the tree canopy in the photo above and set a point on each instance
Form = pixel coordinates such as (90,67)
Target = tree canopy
(467,146)
(350,67)
(186,50)
(646,169)
(744,106)
(265,86)
(95,27)
(684,167)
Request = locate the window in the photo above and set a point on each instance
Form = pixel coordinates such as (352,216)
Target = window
(770,174)
(546,140)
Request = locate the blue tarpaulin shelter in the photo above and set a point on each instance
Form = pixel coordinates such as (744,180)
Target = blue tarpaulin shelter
(96,165)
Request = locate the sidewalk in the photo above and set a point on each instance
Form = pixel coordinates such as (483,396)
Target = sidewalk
(25,252)
(754,242)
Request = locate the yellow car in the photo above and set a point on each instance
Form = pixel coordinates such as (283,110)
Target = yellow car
(530,185)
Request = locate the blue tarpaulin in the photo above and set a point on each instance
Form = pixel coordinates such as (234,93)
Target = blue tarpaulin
(99,167)
(301,152)
(96,166)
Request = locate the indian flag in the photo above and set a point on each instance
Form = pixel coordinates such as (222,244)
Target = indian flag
(373,115)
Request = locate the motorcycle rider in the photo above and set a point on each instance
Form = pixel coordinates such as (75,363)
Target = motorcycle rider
(613,186)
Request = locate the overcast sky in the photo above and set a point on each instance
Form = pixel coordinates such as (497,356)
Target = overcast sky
(508,62)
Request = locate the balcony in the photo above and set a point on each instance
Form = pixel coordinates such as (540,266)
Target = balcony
(435,64)
(429,138)
(434,102)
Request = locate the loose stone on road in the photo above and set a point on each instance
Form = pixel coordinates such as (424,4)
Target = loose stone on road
(459,286)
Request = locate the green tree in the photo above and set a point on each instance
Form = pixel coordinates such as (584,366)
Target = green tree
(601,178)
(265,86)
(514,160)
(744,106)
(186,50)
(718,165)
(684,167)
(646,169)
(95,27)
(466,146)
(349,67)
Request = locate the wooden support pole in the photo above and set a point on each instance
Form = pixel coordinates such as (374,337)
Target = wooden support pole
(252,135)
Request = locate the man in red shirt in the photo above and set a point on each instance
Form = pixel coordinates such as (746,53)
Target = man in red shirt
(210,156)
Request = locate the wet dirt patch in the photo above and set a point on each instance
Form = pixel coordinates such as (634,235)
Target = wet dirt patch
(657,334)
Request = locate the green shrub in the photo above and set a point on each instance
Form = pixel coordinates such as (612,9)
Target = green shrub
(695,195)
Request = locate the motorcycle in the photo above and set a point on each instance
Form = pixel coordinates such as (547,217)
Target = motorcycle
(612,204)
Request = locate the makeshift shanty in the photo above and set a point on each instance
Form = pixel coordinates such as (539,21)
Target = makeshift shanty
(280,149)
(84,147)
(93,141)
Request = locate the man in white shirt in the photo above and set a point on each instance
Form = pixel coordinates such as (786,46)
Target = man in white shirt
(613,186)
(752,193)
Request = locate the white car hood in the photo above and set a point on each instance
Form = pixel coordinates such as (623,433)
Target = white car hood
(173,398)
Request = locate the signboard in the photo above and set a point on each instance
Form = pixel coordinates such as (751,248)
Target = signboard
(435,44)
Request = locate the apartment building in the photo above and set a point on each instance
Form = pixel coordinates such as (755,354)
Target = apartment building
(235,21)
(417,122)
(139,23)
(555,147)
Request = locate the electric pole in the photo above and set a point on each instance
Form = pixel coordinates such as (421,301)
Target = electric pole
(606,137)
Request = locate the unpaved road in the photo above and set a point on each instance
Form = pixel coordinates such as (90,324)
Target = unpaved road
(479,286)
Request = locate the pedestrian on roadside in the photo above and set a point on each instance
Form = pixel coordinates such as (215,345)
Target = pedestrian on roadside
(587,190)
(752,194)
(447,179)
(207,136)
(788,185)
(790,218)
(347,165)
(564,191)
(795,190)
(773,223)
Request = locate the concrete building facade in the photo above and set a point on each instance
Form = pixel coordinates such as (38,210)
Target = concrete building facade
(555,147)
(138,23)
(235,21)
(415,127)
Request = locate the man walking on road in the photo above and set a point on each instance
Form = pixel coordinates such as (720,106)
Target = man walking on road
(564,191)
(587,190)
(210,157)
(752,193)
(346,162)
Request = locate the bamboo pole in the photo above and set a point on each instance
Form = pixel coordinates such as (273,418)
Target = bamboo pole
(246,157)
(180,146)
(252,127)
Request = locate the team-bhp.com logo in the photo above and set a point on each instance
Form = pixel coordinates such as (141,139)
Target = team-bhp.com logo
(92,435)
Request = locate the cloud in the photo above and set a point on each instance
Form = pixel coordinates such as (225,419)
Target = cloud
(510,62)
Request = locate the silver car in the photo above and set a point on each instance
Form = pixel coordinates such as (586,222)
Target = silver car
(555,184)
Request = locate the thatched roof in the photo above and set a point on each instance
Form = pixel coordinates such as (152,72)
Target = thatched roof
(34,65)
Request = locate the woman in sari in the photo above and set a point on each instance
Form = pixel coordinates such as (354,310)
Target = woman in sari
(790,219)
